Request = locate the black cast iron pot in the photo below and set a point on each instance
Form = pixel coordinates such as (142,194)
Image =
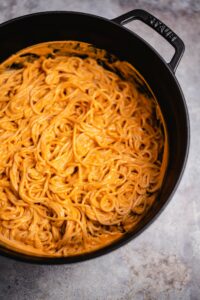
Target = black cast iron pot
(110,35)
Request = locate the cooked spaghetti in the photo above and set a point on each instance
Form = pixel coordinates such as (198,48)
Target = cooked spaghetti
(83,149)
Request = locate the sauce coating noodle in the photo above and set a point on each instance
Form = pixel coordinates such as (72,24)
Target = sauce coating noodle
(83,149)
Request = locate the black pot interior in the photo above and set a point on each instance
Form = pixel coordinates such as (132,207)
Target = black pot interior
(36,28)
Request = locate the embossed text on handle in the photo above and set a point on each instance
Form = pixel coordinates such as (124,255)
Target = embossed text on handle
(162,29)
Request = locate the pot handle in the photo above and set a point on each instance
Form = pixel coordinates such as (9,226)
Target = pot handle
(160,27)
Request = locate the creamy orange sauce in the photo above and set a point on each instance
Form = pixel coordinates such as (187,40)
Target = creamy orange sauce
(83,148)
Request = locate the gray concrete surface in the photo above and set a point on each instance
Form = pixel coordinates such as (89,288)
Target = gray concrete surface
(164,261)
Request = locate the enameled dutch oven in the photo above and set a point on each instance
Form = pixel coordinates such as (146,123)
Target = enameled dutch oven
(31,29)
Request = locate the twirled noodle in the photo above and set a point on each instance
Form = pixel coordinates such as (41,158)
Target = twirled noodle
(83,149)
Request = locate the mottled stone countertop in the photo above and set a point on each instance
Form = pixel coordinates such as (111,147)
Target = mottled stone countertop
(164,261)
